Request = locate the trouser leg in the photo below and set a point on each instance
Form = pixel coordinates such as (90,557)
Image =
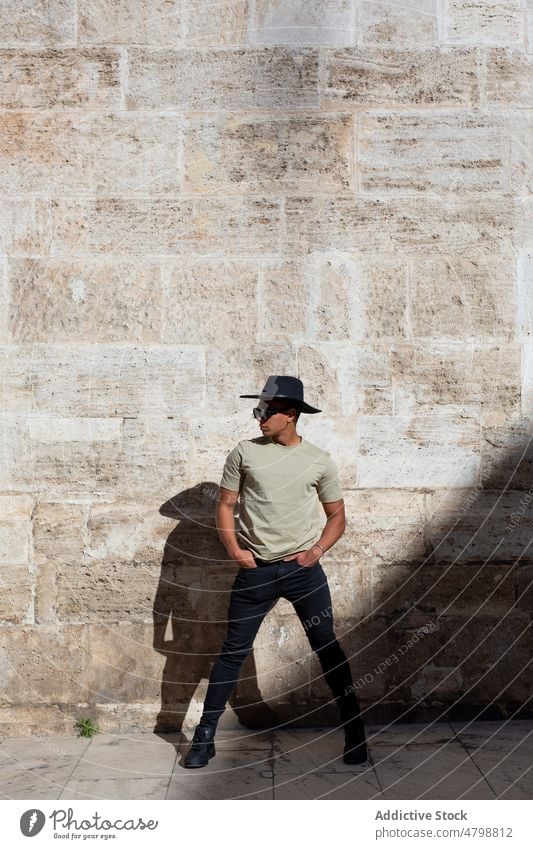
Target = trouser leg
(252,596)
(309,592)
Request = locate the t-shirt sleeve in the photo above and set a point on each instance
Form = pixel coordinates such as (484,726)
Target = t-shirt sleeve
(231,475)
(328,486)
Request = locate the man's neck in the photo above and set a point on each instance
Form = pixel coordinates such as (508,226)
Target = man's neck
(289,441)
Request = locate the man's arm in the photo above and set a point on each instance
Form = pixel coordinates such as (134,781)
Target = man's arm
(225,523)
(335,524)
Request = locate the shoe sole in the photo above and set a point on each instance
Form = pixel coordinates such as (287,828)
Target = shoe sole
(198,766)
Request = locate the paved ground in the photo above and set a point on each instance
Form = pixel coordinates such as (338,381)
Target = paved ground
(480,760)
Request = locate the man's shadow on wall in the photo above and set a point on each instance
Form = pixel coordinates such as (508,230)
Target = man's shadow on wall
(191,610)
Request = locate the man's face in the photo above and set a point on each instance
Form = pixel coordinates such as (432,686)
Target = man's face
(277,423)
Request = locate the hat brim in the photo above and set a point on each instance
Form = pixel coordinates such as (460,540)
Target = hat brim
(304,408)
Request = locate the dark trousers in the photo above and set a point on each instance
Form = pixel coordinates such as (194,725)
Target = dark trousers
(253,594)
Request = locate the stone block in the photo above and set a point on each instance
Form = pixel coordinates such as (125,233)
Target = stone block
(494,527)
(15,529)
(16,600)
(45,663)
(56,77)
(463,297)
(473,589)
(165,227)
(478,382)
(252,78)
(29,24)
(376,76)
(418,450)
(323,23)
(492,654)
(268,153)
(449,223)
(154,455)
(483,22)
(224,24)
(506,457)
(509,76)
(91,153)
(130,21)
(55,300)
(121,664)
(383,527)
(384,24)
(480,150)
(59,532)
(24,226)
(45,603)
(204,302)
(110,381)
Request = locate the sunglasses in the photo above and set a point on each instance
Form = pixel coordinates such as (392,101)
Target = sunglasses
(262,414)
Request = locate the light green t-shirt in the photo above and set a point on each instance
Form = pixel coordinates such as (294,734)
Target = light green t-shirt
(280,487)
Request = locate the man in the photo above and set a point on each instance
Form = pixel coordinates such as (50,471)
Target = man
(280,478)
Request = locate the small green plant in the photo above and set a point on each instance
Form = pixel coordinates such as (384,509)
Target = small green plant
(86,728)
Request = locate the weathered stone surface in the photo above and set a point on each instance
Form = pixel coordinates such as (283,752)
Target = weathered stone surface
(325,23)
(114,380)
(447,223)
(509,76)
(494,528)
(60,78)
(384,526)
(59,532)
(334,297)
(463,297)
(16,600)
(26,23)
(418,450)
(46,663)
(269,153)
(205,300)
(268,78)
(114,590)
(224,24)
(470,589)
(483,22)
(15,529)
(56,300)
(122,664)
(24,226)
(487,672)
(384,76)
(382,23)
(506,454)
(129,21)
(165,227)
(78,152)
(479,381)
(451,151)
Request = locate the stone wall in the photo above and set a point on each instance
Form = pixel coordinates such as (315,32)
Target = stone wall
(197,195)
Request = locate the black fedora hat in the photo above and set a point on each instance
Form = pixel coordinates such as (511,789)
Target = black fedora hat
(287,387)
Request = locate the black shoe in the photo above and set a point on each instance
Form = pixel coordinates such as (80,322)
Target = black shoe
(202,747)
(355,751)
